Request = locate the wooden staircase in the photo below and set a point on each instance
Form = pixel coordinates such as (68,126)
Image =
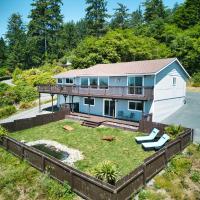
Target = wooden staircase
(92,124)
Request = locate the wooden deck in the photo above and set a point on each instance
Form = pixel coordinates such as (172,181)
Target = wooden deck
(115,123)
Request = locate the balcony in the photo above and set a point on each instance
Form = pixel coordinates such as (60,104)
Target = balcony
(118,92)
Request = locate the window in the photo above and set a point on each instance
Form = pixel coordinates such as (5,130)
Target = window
(59,80)
(174,81)
(84,82)
(89,101)
(103,82)
(135,85)
(94,82)
(69,80)
(135,105)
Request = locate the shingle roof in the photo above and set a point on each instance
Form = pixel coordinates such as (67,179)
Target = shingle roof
(120,69)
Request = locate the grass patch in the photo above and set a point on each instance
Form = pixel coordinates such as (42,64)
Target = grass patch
(123,151)
(18,180)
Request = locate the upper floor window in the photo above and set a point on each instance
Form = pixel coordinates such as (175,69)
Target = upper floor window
(135,105)
(93,82)
(69,80)
(174,81)
(60,80)
(84,82)
(135,85)
(103,82)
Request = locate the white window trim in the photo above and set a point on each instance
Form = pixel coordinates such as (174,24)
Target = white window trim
(174,84)
(88,104)
(60,79)
(69,83)
(142,84)
(135,109)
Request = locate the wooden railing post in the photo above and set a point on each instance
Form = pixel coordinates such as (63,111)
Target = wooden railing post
(144,176)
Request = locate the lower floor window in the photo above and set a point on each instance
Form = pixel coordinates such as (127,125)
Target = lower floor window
(135,105)
(88,101)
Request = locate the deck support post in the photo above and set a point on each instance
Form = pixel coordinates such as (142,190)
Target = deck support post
(72,108)
(52,102)
(39,103)
(65,97)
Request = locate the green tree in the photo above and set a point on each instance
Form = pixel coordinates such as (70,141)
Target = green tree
(137,18)
(188,14)
(44,31)
(121,17)
(16,39)
(96,14)
(117,46)
(153,9)
(2,52)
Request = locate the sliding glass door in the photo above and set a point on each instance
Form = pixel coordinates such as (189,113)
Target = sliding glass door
(109,108)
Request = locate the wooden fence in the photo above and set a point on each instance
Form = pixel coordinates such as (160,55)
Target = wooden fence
(21,124)
(89,187)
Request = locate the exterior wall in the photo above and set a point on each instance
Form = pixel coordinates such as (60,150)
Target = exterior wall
(168,98)
(118,81)
(97,109)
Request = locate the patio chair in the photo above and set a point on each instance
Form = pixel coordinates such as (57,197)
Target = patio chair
(148,138)
(156,145)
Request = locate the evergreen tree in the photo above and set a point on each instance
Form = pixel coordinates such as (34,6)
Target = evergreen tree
(153,9)
(16,39)
(120,17)
(188,14)
(44,30)
(96,14)
(2,52)
(136,18)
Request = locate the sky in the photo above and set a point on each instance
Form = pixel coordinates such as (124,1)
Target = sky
(71,9)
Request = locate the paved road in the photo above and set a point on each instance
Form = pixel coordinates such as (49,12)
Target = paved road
(188,115)
(28,113)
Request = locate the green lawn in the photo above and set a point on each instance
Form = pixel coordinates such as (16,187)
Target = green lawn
(18,180)
(124,151)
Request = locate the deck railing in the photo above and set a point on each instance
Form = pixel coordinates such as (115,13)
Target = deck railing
(139,92)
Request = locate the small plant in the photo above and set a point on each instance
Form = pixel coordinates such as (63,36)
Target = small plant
(195,176)
(174,130)
(106,171)
(3,132)
(25,105)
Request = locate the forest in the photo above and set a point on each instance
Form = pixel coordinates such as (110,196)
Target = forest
(150,32)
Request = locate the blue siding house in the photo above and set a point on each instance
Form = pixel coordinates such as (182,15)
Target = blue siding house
(123,90)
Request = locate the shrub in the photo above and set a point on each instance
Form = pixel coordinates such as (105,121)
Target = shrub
(25,93)
(196,79)
(195,176)
(25,105)
(16,75)
(174,130)
(106,171)
(3,131)
(4,72)
(7,110)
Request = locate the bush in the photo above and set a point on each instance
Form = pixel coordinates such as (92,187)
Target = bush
(16,75)
(195,176)
(3,131)
(4,72)
(25,93)
(106,171)
(196,79)
(25,105)
(174,130)
(7,110)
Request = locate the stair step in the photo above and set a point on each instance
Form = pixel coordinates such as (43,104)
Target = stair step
(91,124)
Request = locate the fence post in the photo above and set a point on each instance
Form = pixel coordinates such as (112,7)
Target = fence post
(144,172)
(22,155)
(6,139)
(43,163)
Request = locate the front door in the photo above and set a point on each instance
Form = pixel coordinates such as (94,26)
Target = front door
(109,108)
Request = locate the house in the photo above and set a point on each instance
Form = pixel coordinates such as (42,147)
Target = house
(123,90)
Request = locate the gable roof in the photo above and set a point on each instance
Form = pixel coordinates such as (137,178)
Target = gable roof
(146,67)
